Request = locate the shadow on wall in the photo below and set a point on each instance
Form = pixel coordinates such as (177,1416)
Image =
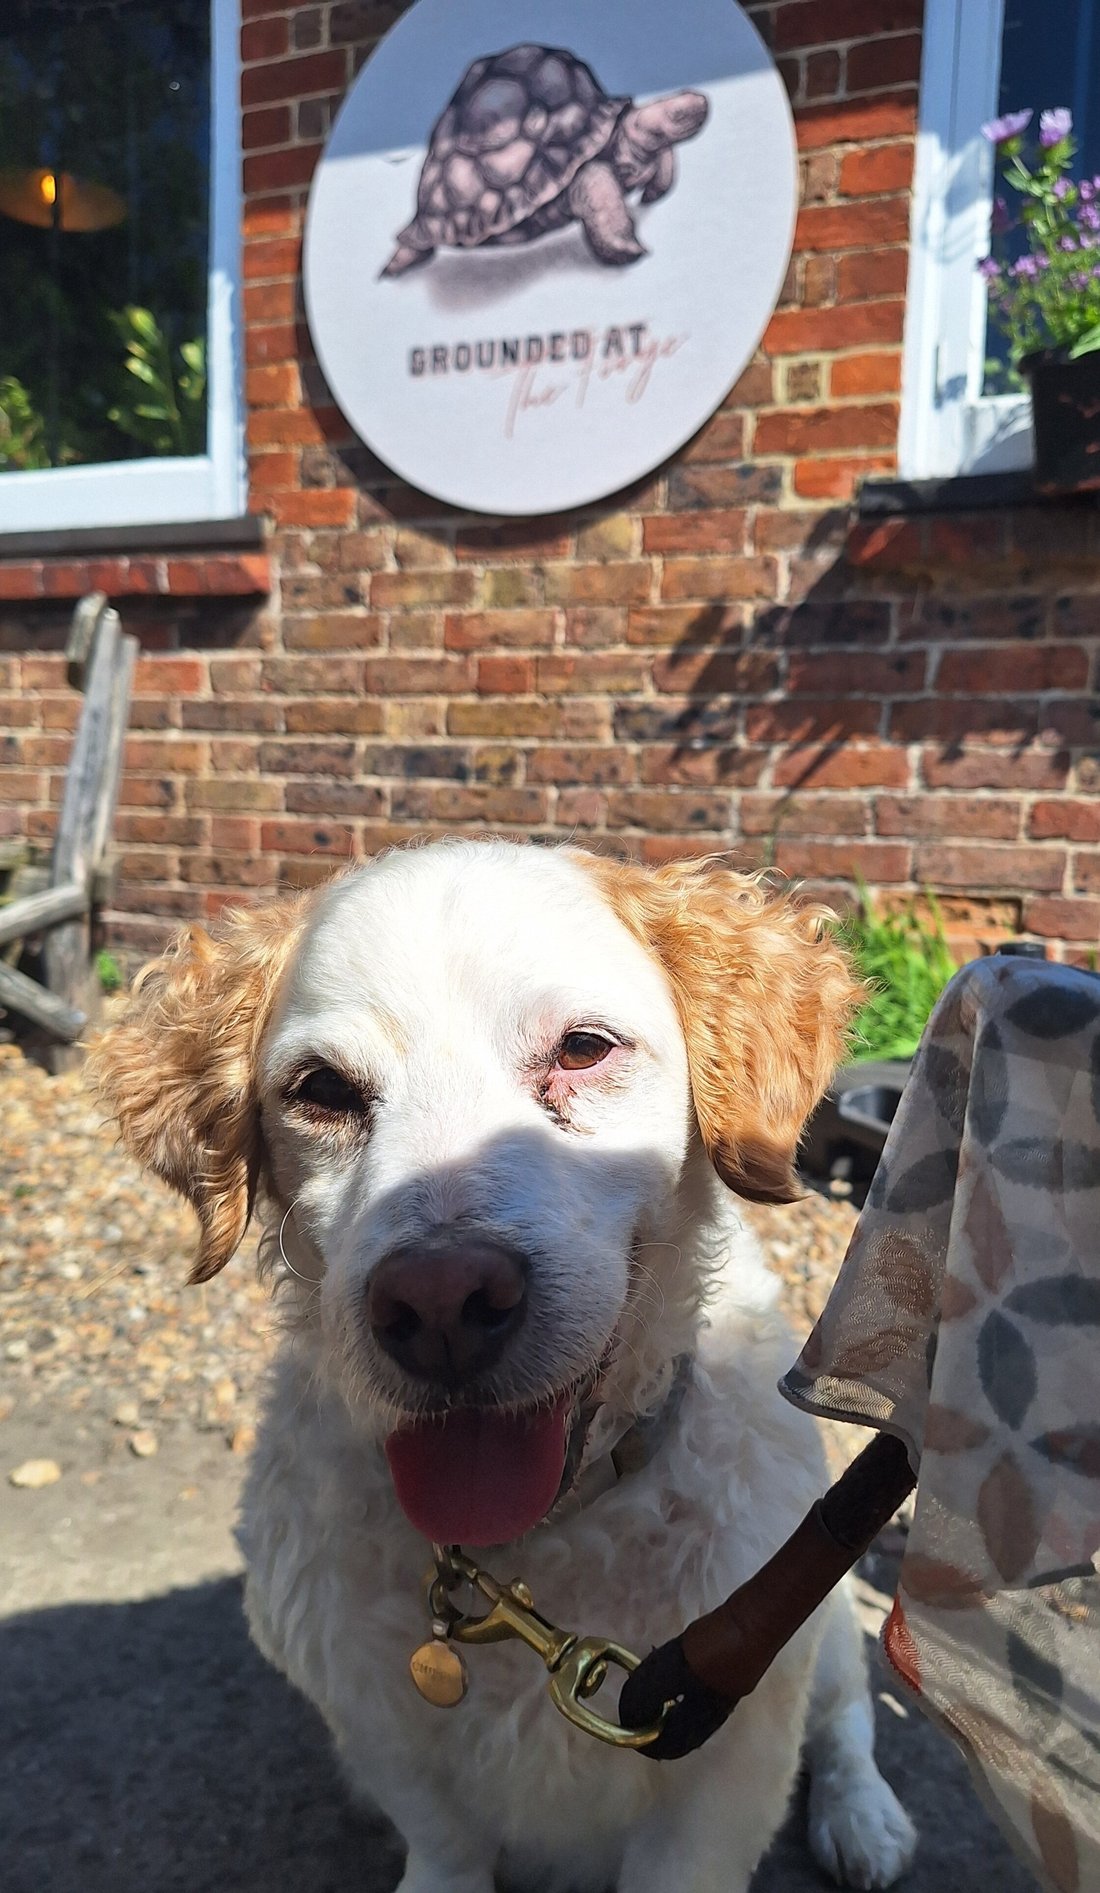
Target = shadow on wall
(150,1749)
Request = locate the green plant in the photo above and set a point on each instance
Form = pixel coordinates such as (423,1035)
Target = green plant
(108,971)
(1048,297)
(22,429)
(906,960)
(167,411)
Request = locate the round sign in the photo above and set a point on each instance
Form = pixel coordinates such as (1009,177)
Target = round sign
(544,239)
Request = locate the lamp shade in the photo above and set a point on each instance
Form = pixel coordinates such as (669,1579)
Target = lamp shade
(43,197)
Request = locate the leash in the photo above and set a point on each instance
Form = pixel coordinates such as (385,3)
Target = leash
(578,1666)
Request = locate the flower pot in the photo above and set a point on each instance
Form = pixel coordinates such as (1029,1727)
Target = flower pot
(1065,401)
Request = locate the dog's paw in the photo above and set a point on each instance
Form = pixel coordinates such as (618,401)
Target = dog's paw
(859,1832)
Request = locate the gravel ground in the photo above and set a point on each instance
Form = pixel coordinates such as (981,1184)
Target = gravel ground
(150,1749)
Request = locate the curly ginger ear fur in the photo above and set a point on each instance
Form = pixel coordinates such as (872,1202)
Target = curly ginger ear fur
(177,1072)
(765,997)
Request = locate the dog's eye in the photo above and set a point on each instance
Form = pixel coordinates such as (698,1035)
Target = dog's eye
(325,1090)
(579,1051)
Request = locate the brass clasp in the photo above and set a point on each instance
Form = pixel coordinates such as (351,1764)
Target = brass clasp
(578,1666)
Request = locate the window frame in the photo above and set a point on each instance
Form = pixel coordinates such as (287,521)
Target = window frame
(948,426)
(173,489)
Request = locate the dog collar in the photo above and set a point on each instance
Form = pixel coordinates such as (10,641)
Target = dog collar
(635,1446)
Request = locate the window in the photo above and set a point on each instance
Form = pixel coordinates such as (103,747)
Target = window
(981,58)
(119,232)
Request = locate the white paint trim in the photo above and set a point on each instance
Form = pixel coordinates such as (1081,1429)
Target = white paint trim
(169,490)
(948,426)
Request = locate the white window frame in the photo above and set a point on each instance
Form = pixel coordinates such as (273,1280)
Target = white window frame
(948,426)
(174,489)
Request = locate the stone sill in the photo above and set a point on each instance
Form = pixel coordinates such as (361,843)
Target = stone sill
(203,572)
(968,493)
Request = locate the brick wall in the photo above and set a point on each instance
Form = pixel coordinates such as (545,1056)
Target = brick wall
(721,659)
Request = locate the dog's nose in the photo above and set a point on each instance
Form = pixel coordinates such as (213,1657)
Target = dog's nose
(444,1311)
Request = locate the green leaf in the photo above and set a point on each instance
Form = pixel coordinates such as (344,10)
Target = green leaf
(1086,344)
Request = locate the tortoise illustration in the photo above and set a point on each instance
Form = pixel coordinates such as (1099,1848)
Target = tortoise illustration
(531,141)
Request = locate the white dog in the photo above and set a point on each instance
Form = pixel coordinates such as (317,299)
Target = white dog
(495,1099)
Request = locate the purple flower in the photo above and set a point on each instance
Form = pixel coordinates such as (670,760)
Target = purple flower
(990,269)
(1068,243)
(1087,192)
(1079,279)
(999,130)
(1026,266)
(1090,218)
(1055,125)
(1001,219)
(1063,187)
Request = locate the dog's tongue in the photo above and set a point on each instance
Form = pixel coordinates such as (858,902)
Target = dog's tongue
(476,1478)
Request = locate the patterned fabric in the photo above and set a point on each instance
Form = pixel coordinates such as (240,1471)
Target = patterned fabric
(966,1320)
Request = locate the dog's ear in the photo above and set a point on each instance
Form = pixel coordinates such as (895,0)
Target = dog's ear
(765,996)
(178,1071)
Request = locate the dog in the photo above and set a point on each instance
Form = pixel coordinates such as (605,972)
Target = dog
(498,1103)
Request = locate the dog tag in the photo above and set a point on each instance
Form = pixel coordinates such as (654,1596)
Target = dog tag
(439,1673)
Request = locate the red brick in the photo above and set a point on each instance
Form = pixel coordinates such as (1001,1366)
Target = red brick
(616,582)
(334,631)
(470,802)
(812,720)
(276,385)
(862,275)
(170,676)
(1041,869)
(941,718)
(330,800)
(719,531)
(21,581)
(859,673)
(692,488)
(822,430)
(662,625)
(269,126)
(237,574)
(954,816)
(967,541)
(809,815)
(523,540)
(1086,870)
(269,258)
(884,63)
(335,506)
(170,754)
(270,302)
(320,716)
(837,479)
(881,169)
(723,438)
(334,838)
(241,833)
(702,765)
(892,544)
(268,472)
(264,39)
(982,670)
(294,78)
(677,809)
(802,23)
(592,672)
(418,676)
(859,225)
(512,719)
(755,387)
(588,763)
(594,627)
(413,589)
(1065,820)
(21,785)
(820,331)
(879,373)
(857,121)
(823,533)
(289,427)
(506,676)
(281,170)
(306,757)
(710,672)
(872,766)
(301,676)
(719,578)
(1054,919)
(495,630)
(876,861)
